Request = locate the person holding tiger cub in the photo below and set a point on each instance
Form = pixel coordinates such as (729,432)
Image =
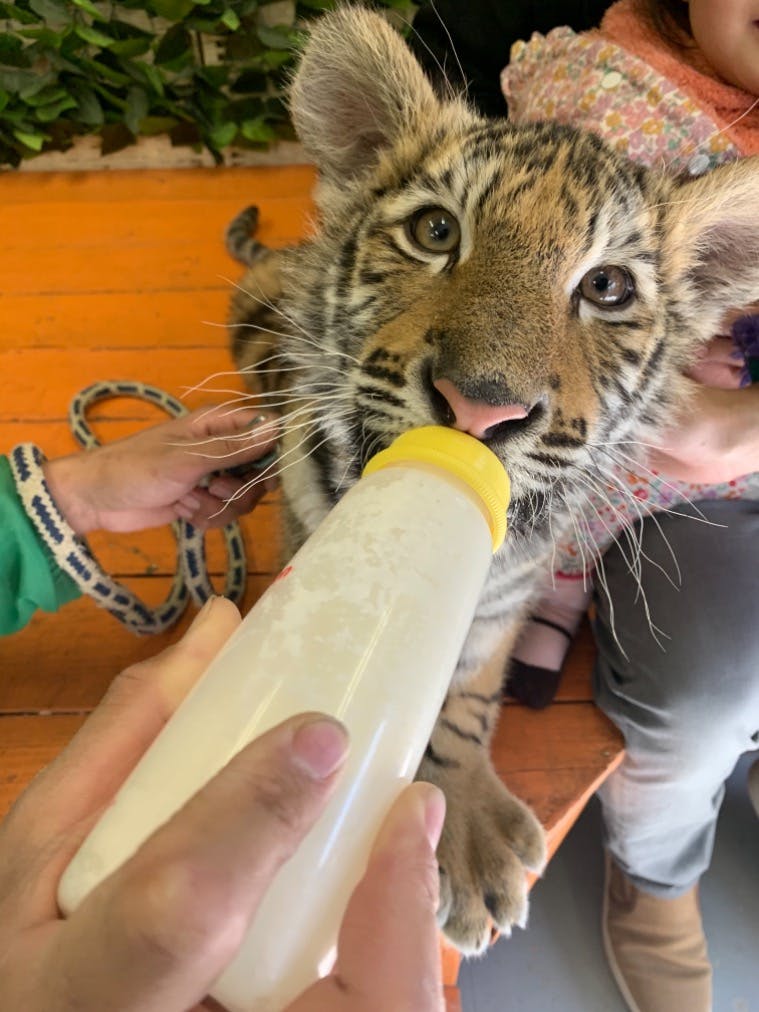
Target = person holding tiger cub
(674,85)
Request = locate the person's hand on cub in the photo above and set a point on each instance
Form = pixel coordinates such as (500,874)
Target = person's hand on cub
(154,476)
(156,934)
(714,438)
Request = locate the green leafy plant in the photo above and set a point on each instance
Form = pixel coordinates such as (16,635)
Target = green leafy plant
(205,72)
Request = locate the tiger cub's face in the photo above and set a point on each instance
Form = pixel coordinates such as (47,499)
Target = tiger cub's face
(525,284)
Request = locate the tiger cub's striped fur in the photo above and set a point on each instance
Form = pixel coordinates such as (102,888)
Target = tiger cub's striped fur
(526,283)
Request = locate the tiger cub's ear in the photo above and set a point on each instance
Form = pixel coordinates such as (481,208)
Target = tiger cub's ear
(357,89)
(711,245)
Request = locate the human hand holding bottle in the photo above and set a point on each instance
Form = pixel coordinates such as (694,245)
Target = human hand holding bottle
(155,934)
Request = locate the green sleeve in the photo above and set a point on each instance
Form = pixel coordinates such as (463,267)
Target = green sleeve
(29,576)
(477,35)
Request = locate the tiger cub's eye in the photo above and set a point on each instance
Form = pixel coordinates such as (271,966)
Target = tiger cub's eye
(434,229)
(607,286)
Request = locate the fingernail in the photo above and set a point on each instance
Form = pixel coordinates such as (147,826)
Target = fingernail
(320,746)
(222,489)
(434,814)
(258,420)
(190,501)
(205,611)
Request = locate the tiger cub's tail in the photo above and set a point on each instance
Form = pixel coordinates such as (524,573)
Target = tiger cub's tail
(240,237)
(256,324)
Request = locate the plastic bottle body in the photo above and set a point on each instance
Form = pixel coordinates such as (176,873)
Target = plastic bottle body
(366,624)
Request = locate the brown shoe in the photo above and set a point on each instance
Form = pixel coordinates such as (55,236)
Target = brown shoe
(655,947)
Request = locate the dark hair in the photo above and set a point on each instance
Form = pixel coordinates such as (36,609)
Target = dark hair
(670,19)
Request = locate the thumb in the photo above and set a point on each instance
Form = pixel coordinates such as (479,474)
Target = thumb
(389,945)
(228,439)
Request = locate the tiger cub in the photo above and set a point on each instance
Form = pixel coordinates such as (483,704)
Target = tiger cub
(526,284)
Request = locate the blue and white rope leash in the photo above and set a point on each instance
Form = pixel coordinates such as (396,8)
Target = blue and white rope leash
(73,554)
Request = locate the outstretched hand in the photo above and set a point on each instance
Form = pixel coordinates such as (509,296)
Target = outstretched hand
(155,476)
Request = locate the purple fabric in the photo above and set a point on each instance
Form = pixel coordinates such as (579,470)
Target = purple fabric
(745,334)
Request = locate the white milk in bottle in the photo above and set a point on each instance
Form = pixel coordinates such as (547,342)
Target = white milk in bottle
(365,624)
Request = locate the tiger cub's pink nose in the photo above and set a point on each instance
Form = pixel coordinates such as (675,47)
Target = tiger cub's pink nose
(477,417)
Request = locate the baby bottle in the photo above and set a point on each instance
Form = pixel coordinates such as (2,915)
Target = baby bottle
(365,624)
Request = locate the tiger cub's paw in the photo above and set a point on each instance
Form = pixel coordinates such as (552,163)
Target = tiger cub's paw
(489,841)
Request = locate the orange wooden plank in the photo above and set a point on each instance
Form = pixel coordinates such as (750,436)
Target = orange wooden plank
(452,999)
(583,791)
(186,264)
(122,222)
(164,186)
(65,661)
(137,320)
(27,744)
(139,232)
(45,379)
(565,736)
(451,960)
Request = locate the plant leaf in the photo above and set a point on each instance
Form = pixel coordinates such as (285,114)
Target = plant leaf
(29,140)
(15,13)
(173,10)
(49,113)
(221,136)
(153,76)
(130,47)
(277,36)
(90,109)
(93,36)
(175,43)
(52,12)
(258,131)
(12,51)
(91,9)
(230,19)
(46,95)
(136,108)
(99,69)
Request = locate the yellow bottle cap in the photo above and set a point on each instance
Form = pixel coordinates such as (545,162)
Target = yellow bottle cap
(459,454)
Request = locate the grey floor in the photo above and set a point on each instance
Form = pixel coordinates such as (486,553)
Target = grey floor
(557,965)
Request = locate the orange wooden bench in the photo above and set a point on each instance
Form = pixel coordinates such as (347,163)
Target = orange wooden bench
(116,275)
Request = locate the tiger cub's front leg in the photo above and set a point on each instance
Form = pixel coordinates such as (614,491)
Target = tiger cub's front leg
(490,837)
